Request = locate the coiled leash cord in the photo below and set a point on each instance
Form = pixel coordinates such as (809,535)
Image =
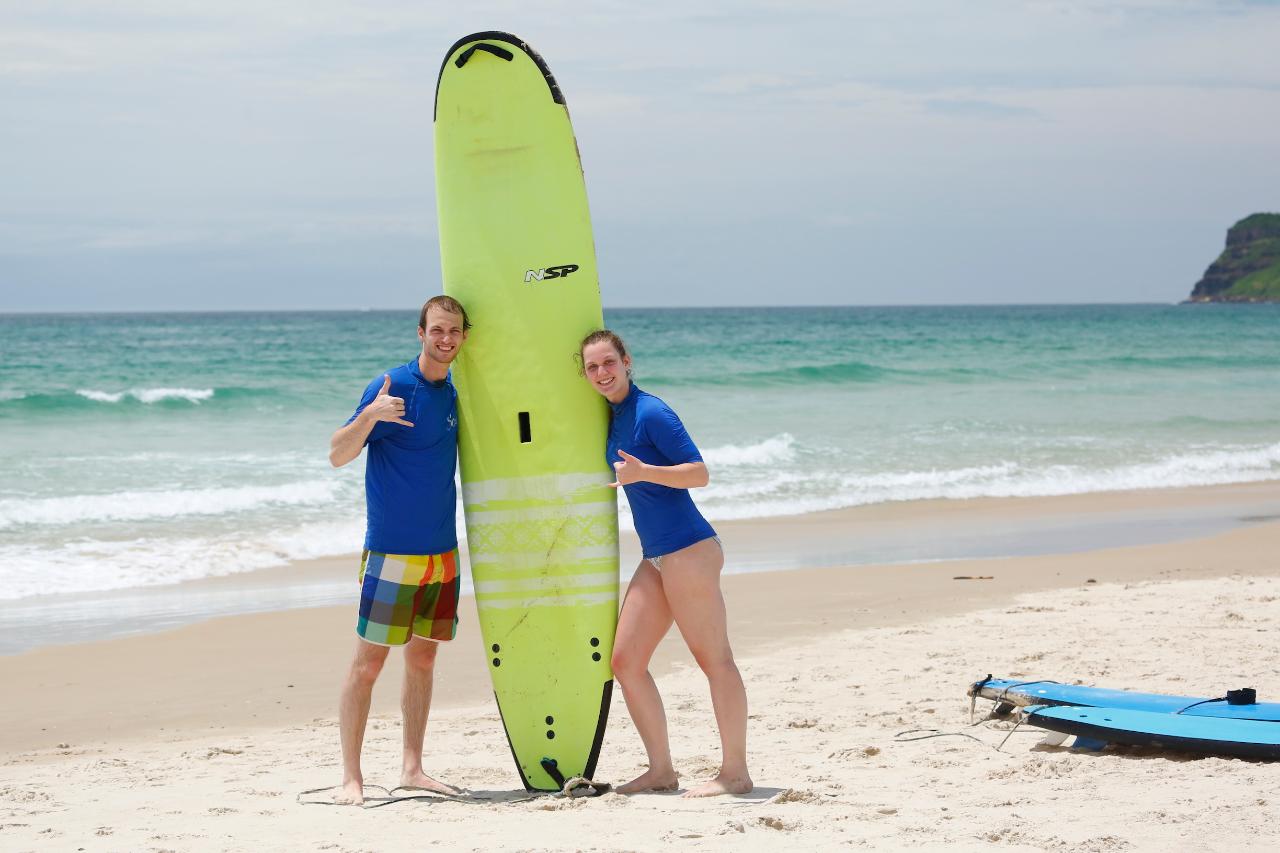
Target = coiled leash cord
(573,789)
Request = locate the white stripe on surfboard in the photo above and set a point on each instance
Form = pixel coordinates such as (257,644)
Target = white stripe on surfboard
(557,488)
(522,560)
(541,513)
(546,583)
(576,600)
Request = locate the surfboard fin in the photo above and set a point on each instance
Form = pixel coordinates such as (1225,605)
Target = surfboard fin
(553,770)
(578,786)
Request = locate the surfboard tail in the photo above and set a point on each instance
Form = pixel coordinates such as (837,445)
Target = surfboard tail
(547,769)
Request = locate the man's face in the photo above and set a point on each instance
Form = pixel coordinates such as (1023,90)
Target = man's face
(442,337)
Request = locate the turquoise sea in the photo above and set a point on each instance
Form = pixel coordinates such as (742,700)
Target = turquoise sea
(154,448)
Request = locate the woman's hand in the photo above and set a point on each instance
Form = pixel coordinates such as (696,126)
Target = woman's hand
(628,470)
(686,475)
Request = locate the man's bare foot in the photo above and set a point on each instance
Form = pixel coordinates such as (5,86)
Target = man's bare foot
(420,781)
(350,794)
(651,780)
(722,784)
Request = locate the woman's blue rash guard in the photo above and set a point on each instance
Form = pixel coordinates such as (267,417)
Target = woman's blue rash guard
(408,479)
(665,518)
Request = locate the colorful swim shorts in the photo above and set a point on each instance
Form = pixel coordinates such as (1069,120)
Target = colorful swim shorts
(408,594)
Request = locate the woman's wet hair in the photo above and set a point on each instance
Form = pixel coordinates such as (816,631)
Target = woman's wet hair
(444,303)
(598,336)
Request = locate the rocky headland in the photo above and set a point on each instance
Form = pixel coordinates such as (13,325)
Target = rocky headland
(1248,270)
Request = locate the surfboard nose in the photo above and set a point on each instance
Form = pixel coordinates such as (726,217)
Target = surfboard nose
(502,47)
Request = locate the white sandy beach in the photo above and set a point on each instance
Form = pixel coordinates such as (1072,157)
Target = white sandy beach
(201,738)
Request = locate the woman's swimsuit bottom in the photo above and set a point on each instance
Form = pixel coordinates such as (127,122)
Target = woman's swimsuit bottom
(657,561)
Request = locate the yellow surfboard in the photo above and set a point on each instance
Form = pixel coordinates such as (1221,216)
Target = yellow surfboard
(542,523)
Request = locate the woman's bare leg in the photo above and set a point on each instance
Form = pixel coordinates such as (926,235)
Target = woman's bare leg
(691,581)
(644,621)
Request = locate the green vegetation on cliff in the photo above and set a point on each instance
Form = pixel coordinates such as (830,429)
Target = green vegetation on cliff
(1261,286)
(1260,222)
(1248,270)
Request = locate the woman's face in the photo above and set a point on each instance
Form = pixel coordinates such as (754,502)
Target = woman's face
(606,370)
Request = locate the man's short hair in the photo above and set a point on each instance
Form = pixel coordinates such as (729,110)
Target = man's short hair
(444,303)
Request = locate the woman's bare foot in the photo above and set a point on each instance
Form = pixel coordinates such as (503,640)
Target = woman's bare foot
(722,784)
(350,794)
(420,781)
(651,780)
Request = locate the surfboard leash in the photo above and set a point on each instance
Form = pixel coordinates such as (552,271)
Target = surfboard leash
(379,802)
(901,737)
(1002,698)
(575,788)
(298,798)
(1243,696)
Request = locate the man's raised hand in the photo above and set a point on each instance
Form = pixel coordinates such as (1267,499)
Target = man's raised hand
(385,407)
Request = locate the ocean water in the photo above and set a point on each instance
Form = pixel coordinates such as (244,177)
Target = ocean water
(148,449)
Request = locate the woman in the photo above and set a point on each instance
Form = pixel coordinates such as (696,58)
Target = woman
(679,578)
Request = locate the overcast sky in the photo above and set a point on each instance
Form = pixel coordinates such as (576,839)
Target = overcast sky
(240,154)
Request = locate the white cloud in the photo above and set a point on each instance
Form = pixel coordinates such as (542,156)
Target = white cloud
(144,124)
(747,83)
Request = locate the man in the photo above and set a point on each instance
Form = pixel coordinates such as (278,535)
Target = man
(409,572)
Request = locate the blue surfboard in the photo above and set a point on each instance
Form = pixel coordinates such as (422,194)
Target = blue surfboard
(1178,732)
(1024,692)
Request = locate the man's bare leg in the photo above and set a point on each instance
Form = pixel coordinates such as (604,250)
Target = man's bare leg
(691,577)
(644,621)
(415,703)
(353,714)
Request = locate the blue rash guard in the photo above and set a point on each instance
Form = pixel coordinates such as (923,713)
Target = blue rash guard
(410,495)
(665,518)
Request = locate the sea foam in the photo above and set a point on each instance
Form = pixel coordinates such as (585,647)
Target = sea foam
(161,504)
(147,395)
(28,570)
(781,493)
(780,448)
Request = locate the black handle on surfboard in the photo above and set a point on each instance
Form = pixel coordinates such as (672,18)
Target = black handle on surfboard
(499,52)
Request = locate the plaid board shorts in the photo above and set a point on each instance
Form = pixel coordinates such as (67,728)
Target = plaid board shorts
(403,595)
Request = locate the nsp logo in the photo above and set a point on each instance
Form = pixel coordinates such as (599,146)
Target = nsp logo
(561,271)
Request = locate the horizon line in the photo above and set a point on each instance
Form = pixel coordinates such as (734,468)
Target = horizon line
(788,306)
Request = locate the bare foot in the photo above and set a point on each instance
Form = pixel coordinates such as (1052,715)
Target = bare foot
(350,794)
(722,785)
(420,781)
(651,780)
